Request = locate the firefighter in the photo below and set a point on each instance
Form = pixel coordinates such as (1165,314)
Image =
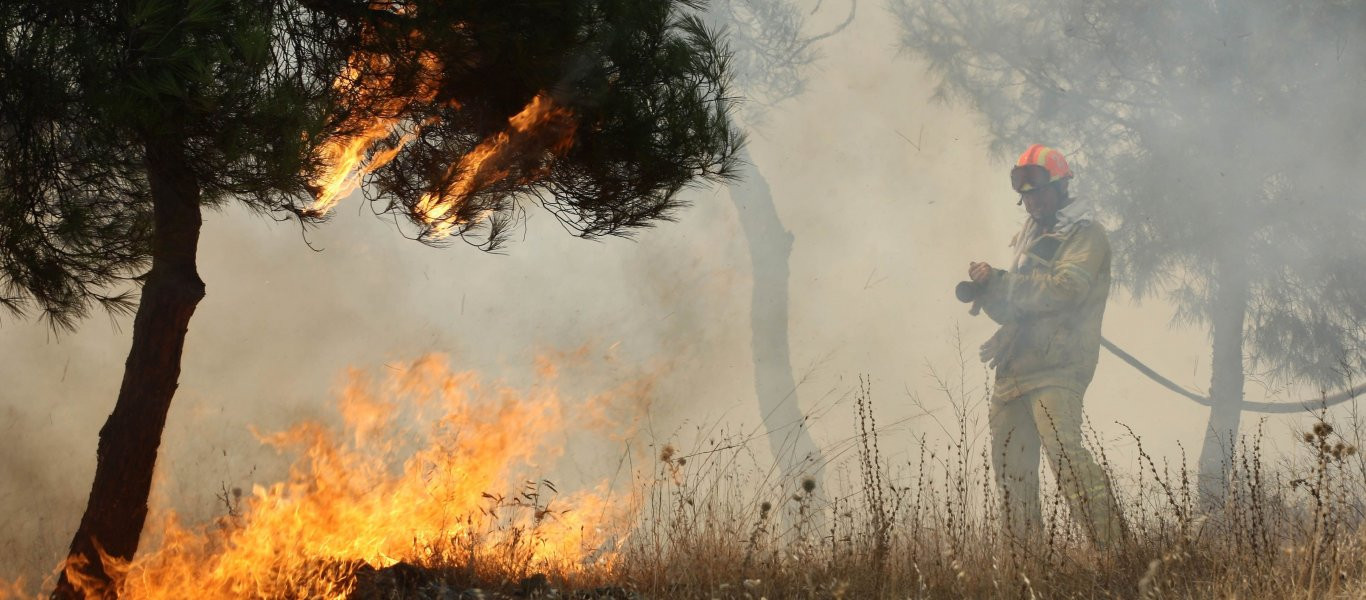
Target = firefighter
(1049,303)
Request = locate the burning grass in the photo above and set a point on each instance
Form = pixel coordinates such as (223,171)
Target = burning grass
(426,469)
(451,508)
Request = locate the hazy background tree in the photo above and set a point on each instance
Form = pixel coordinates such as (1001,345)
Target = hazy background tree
(1219,140)
(771,57)
(121,121)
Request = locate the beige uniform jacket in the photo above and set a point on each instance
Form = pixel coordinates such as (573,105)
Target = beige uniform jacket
(1050,310)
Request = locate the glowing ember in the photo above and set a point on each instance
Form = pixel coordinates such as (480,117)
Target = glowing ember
(383,491)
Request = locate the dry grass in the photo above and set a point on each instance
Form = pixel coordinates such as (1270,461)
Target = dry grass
(1292,531)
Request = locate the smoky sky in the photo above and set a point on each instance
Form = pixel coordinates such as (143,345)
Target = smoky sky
(887,193)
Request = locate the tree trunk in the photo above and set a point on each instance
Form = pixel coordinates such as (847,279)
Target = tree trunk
(1226,385)
(117,507)
(770,246)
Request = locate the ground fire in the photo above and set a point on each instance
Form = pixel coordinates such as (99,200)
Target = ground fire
(429,466)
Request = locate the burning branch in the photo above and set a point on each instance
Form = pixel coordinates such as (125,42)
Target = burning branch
(371,80)
(540,128)
(380,128)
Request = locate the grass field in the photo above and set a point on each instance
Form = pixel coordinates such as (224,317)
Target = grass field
(1288,531)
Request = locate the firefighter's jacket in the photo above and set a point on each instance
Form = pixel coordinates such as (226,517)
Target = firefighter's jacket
(1050,308)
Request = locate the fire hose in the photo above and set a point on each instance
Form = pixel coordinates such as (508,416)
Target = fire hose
(970,291)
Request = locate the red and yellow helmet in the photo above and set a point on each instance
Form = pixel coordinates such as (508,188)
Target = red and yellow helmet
(1037,167)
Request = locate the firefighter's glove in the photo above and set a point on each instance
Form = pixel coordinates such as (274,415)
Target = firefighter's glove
(994,351)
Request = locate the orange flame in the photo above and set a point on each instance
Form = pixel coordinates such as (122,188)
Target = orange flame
(76,569)
(12,589)
(348,159)
(540,127)
(372,494)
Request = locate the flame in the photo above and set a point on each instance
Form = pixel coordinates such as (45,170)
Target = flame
(12,589)
(350,158)
(538,129)
(541,126)
(371,493)
(76,569)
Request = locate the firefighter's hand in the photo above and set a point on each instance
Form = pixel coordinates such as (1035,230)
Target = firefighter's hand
(990,352)
(980,272)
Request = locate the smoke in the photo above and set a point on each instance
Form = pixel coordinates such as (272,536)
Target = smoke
(889,195)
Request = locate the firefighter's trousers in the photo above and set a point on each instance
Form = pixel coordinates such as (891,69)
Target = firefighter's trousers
(1050,418)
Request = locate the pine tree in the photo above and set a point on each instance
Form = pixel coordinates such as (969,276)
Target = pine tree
(771,54)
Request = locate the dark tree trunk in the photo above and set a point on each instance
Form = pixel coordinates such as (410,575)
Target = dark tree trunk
(1226,385)
(770,246)
(117,508)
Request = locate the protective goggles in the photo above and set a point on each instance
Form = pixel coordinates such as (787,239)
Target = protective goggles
(1027,178)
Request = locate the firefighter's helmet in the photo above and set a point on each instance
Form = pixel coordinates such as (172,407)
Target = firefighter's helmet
(1037,167)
